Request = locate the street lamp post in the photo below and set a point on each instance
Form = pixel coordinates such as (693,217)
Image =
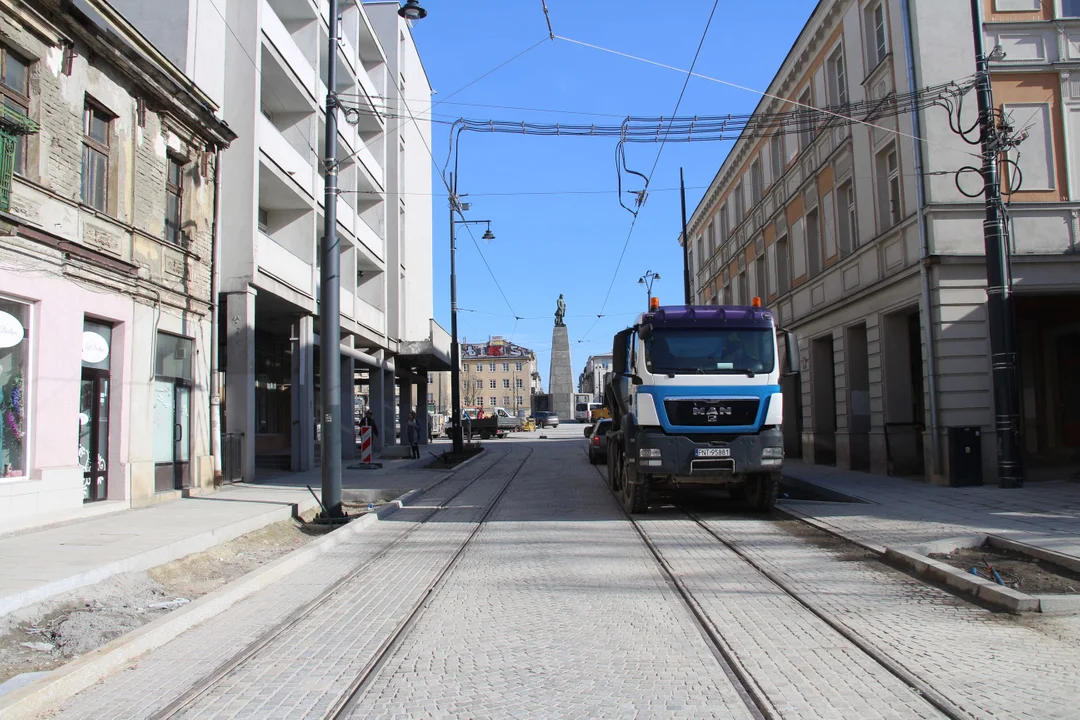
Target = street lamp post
(458,207)
(647,280)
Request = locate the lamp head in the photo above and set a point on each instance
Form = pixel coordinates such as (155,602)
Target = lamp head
(412,11)
(488,235)
(641,281)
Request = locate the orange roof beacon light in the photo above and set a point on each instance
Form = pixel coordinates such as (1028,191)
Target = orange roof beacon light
(654,304)
(756,302)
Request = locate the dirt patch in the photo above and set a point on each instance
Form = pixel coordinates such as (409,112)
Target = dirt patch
(1017,570)
(451,459)
(49,634)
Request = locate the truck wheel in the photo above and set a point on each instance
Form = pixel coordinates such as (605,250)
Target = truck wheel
(485,435)
(613,470)
(635,495)
(762,492)
(737,492)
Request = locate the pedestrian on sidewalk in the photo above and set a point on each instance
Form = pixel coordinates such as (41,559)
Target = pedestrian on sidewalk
(412,432)
(369,421)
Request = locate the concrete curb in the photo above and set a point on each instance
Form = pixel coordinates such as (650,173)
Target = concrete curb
(156,556)
(79,674)
(828,494)
(828,529)
(991,593)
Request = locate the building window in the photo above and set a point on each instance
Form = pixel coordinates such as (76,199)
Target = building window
(15,87)
(491,383)
(728,300)
(506,367)
(491,367)
(521,400)
(760,290)
(725,225)
(888,169)
(738,203)
(744,291)
(837,78)
(14,388)
(783,266)
(757,183)
(174,201)
(480,402)
(877,44)
(518,367)
(711,234)
(806,120)
(701,249)
(479,367)
(845,196)
(1035,156)
(776,155)
(264,220)
(519,383)
(813,241)
(1070,8)
(506,383)
(506,399)
(95,159)
(494,401)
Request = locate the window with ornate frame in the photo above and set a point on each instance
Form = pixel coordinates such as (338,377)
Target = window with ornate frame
(174,201)
(95,161)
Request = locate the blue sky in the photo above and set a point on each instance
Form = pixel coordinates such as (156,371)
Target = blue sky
(568,239)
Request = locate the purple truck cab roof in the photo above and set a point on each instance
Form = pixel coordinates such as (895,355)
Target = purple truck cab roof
(717,316)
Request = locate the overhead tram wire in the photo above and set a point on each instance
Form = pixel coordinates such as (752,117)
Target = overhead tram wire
(641,198)
(728,83)
(450,195)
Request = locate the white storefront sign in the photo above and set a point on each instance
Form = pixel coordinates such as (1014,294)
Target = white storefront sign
(94,348)
(11,330)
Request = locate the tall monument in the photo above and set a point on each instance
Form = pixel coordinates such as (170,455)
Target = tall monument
(561,376)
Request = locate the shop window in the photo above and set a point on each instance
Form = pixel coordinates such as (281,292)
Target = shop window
(14,388)
(94,395)
(172,411)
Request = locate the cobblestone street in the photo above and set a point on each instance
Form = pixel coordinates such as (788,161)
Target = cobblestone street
(518,588)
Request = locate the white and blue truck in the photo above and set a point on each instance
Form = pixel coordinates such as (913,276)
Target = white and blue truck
(695,401)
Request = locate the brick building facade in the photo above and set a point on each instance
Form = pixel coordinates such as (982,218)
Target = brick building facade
(106,252)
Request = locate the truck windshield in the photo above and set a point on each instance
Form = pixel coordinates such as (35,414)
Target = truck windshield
(708,351)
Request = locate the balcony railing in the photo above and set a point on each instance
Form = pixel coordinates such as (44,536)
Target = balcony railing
(370,316)
(276,261)
(284,155)
(276,32)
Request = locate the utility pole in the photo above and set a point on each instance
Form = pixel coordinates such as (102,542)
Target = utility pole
(687,296)
(455,348)
(999,303)
(330,296)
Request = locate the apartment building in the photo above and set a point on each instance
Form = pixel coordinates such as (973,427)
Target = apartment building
(592,377)
(108,172)
(860,241)
(275,66)
(497,373)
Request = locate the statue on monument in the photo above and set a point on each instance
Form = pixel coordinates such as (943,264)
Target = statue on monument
(560,312)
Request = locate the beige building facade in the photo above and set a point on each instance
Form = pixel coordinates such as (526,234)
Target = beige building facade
(497,373)
(861,242)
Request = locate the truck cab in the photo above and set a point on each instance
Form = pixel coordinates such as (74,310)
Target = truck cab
(695,401)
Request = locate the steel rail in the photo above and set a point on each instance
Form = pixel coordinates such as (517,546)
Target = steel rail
(711,630)
(347,699)
(219,673)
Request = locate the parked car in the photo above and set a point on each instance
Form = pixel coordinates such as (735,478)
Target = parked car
(598,441)
(545,419)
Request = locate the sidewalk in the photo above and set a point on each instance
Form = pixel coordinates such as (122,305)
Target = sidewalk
(901,513)
(37,564)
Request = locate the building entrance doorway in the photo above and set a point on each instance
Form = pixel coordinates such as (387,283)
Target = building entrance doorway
(172,413)
(94,395)
(823,391)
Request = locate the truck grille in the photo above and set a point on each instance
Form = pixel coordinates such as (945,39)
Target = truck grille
(712,413)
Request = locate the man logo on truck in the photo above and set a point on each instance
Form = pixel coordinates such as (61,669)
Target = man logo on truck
(712,414)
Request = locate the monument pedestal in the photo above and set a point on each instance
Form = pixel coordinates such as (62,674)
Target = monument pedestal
(561,375)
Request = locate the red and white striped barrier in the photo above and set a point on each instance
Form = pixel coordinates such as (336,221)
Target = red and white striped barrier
(365,444)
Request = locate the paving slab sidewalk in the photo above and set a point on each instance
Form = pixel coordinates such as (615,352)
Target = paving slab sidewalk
(901,513)
(42,563)
(37,564)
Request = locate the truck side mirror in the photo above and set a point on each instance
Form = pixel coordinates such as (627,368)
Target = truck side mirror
(791,353)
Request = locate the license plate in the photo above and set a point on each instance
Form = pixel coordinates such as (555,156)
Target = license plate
(712,452)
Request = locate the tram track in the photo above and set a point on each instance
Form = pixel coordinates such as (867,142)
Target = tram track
(214,678)
(753,694)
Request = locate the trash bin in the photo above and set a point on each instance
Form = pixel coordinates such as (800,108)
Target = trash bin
(965,456)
